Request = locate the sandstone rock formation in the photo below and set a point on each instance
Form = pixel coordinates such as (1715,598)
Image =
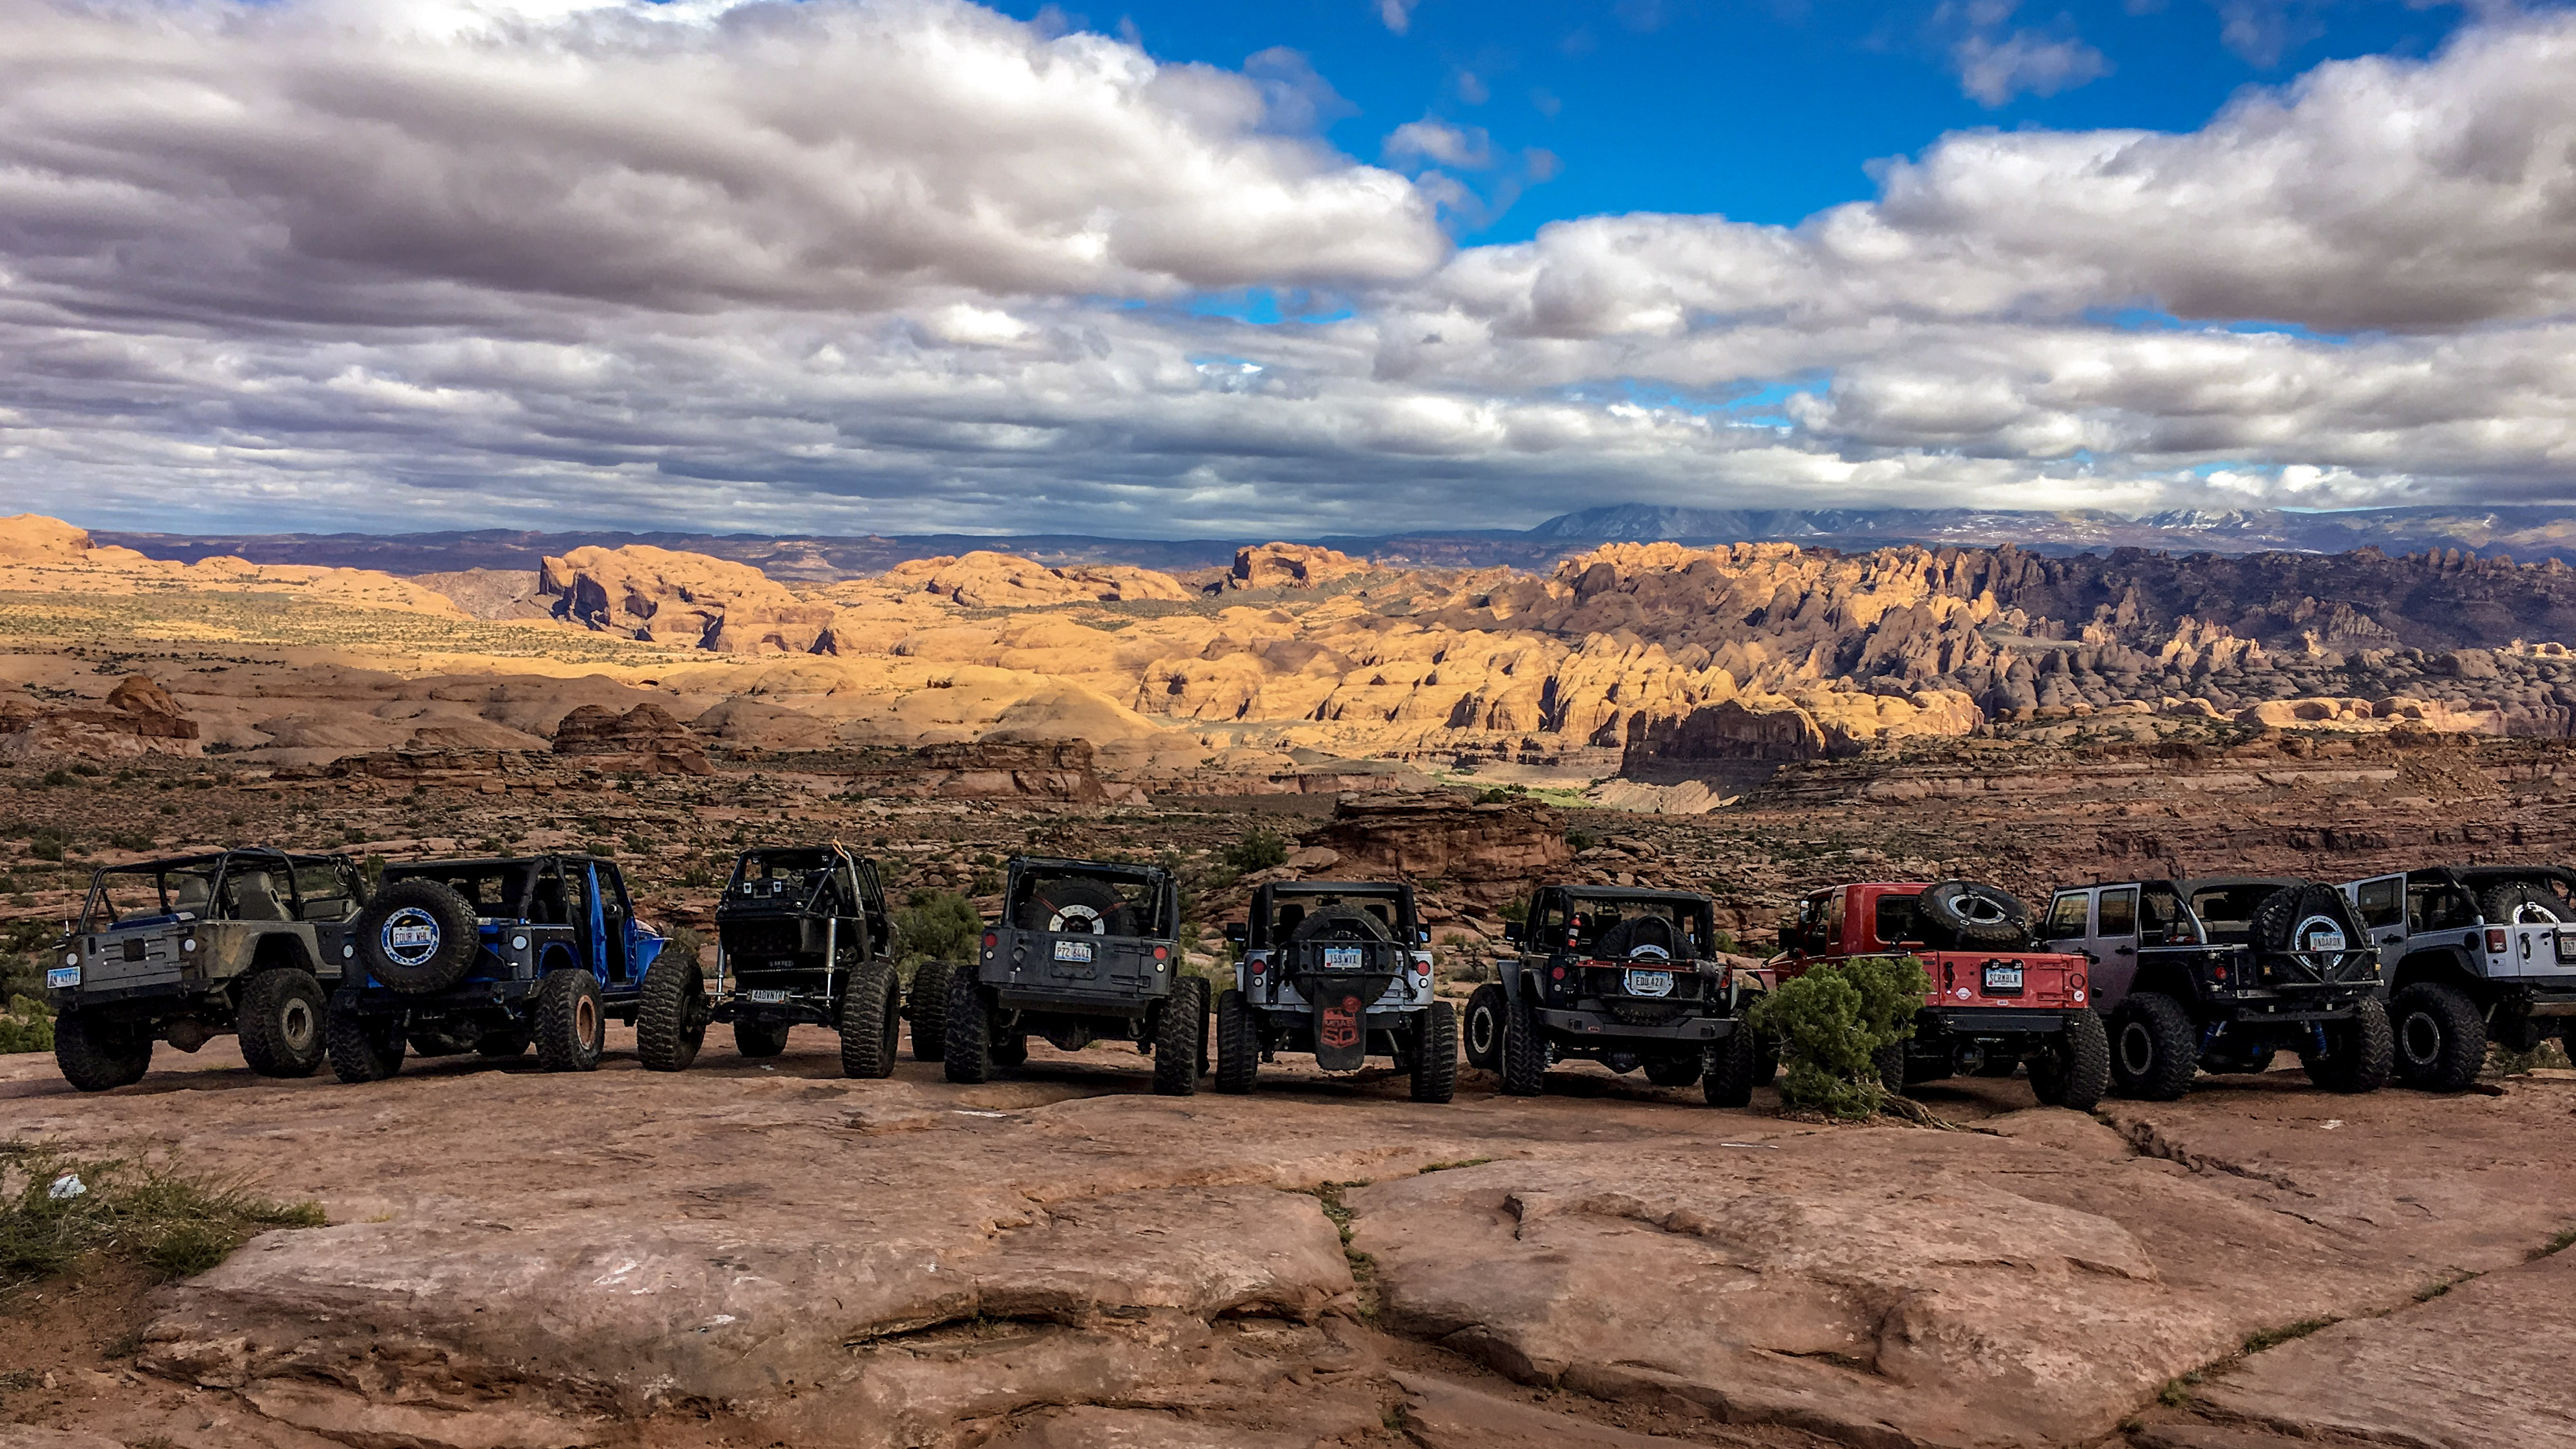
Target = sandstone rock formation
(1490,851)
(644,740)
(1290,566)
(983,580)
(138,717)
(683,598)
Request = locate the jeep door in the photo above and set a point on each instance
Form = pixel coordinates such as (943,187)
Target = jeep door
(2380,902)
(2113,941)
(2070,922)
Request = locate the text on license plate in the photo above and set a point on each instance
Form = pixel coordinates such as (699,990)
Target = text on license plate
(766,998)
(1650,983)
(2566,946)
(1073,950)
(2002,978)
(63,978)
(401,937)
(1344,958)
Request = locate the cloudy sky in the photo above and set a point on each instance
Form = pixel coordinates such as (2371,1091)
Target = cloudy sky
(1306,267)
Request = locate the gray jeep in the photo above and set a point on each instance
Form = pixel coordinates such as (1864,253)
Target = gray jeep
(1340,969)
(2473,953)
(185,949)
(1084,951)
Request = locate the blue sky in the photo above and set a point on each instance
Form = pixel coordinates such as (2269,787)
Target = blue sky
(1761,112)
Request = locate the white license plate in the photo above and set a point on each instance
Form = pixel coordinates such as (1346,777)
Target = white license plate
(1650,983)
(766,998)
(1073,950)
(2002,979)
(1345,958)
(2566,947)
(62,978)
(405,937)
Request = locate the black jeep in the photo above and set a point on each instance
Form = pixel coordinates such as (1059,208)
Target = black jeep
(1337,968)
(802,937)
(1625,977)
(1084,951)
(2222,972)
(184,949)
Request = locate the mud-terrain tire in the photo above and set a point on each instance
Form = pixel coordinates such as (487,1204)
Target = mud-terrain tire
(1238,1054)
(504,1044)
(927,1004)
(966,1055)
(761,1040)
(1435,1053)
(99,1056)
(421,965)
(1890,1062)
(1622,941)
(572,1029)
(1674,1071)
(1970,916)
(2440,1037)
(1731,1067)
(1180,1038)
(2155,1050)
(2286,918)
(2075,1071)
(671,1016)
(362,1048)
(2520,903)
(871,1021)
(2362,1052)
(1483,1029)
(1102,907)
(1524,1051)
(1339,923)
(280,1022)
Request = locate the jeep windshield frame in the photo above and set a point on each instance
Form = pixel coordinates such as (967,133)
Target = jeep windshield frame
(1265,932)
(1146,891)
(510,883)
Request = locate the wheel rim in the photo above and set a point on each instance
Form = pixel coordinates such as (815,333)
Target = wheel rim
(585,1020)
(296,1026)
(2137,1049)
(2419,1036)
(1480,1031)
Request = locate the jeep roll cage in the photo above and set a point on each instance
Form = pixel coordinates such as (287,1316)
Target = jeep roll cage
(1156,904)
(1269,921)
(210,872)
(1577,929)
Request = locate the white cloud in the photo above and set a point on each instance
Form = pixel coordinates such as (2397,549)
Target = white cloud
(1398,14)
(2024,63)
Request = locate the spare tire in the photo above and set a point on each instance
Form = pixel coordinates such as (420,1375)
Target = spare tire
(417,937)
(1340,923)
(2304,917)
(1654,936)
(1077,908)
(1973,916)
(2521,903)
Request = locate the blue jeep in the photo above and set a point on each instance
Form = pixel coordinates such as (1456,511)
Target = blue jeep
(490,956)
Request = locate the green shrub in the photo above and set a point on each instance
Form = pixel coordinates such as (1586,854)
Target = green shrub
(1257,850)
(172,1223)
(1833,1022)
(941,924)
(26,1027)
(48,842)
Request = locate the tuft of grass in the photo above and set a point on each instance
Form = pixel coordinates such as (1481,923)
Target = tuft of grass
(2565,1239)
(171,1222)
(1430,1167)
(1363,1267)
(2263,1338)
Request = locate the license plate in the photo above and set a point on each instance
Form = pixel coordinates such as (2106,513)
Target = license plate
(2002,980)
(2566,947)
(1073,950)
(406,937)
(1345,958)
(766,998)
(1650,983)
(62,978)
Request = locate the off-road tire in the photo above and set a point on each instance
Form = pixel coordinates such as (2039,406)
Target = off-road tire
(572,1029)
(2276,921)
(2362,1052)
(1622,941)
(671,1016)
(927,1005)
(2075,1071)
(2440,1037)
(761,1040)
(98,1056)
(1180,1038)
(1731,1067)
(871,1021)
(1524,1051)
(362,1048)
(967,1046)
(1110,907)
(1971,916)
(1339,923)
(503,1045)
(1673,1071)
(458,939)
(2155,1049)
(1238,1049)
(1435,1053)
(1890,1062)
(2520,903)
(1483,1028)
(280,1022)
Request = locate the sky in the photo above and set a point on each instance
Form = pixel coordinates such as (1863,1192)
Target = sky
(1308,267)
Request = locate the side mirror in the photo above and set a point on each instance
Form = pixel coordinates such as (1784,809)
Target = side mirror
(1238,933)
(1515,932)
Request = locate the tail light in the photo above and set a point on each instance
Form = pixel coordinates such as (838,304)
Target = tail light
(2495,939)
(1556,973)
(2075,980)
(991,940)
(1161,955)
(2219,971)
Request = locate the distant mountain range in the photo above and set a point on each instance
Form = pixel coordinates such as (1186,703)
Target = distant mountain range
(2524,532)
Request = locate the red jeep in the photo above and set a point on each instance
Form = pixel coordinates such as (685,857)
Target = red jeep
(1995,1003)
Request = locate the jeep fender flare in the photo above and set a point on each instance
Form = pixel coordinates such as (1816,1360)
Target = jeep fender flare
(1522,978)
(2447,965)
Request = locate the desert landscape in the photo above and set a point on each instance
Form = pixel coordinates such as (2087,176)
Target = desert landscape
(763,1252)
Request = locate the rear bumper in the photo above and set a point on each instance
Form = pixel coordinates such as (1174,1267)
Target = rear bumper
(1999,1020)
(1124,1005)
(1589,1026)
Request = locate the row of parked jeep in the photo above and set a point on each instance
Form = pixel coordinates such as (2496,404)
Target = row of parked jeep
(2130,987)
